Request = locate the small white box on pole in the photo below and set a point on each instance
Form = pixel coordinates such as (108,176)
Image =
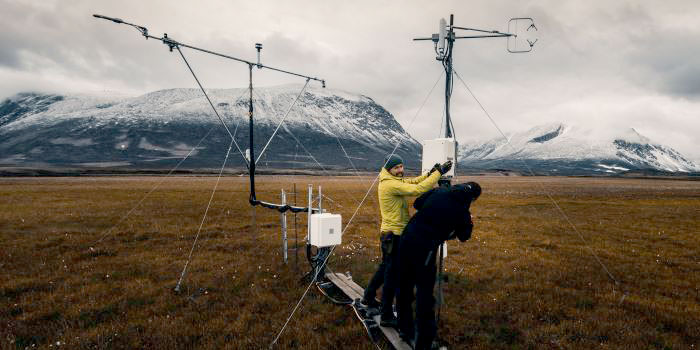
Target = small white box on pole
(325,230)
(439,151)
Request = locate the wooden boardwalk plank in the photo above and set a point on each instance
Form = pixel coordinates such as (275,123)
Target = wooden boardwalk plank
(354,291)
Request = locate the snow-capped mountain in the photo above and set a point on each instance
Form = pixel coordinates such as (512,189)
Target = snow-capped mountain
(565,149)
(159,128)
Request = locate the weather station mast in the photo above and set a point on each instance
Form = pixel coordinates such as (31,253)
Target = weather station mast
(443,149)
(324,228)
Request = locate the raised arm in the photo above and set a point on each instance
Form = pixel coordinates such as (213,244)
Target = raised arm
(416,180)
(407,189)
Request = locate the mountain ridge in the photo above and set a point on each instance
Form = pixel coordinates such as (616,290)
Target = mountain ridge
(562,148)
(340,129)
(154,128)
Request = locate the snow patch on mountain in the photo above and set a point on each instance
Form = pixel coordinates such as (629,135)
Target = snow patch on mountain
(73,142)
(166,123)
(610,151)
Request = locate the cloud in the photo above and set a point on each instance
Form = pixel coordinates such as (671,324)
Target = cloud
(617,64)
(665,62)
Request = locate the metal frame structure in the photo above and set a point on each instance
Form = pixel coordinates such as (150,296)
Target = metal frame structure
(250,161)
(249,156)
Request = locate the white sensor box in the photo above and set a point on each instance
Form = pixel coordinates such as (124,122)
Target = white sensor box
(439,151)
(325,230)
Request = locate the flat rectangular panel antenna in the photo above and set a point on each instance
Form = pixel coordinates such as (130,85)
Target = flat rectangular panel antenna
(442,33)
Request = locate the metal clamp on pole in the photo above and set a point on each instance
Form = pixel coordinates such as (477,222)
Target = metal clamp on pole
(172,44)
(258,47)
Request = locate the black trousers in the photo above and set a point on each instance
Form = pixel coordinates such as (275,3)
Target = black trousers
(386,274)
(417,270)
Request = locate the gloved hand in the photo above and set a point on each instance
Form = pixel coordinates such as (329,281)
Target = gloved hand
(445,167)
(435,168)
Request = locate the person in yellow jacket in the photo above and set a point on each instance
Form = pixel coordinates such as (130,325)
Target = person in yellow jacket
(393,190)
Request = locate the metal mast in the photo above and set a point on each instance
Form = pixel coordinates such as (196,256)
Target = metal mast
(444,43)
(448,77)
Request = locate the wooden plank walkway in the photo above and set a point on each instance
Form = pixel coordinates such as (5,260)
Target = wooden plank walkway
(354,291)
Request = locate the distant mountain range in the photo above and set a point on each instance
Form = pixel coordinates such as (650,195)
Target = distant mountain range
(340,130)
(565,149)
(157,129)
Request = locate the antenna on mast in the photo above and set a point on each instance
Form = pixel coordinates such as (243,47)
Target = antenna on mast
(444,41)
(443,149)
(445,38)
(442,33)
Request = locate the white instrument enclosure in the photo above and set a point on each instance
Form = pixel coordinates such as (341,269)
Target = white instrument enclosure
(439,151)
(326,230)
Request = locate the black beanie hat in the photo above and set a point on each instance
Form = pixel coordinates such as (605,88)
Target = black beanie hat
(392,161)
(469,190)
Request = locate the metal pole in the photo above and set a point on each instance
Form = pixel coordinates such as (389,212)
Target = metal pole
(448,78)
(320,200)
(251,168)
(283,218)
(308,219)
(296,236)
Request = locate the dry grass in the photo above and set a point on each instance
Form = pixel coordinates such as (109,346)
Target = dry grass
(525,279)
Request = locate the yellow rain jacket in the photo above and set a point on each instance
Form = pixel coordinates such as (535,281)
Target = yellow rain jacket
(393,191)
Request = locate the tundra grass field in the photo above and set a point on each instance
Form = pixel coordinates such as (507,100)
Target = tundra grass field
(75,275)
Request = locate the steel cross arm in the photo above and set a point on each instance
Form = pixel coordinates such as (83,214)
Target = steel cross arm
(482,31)
(169,41)
(172,43)
(484,36)
(499,35)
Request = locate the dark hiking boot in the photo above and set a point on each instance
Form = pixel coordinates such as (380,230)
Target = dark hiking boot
(370,303)
(408,339)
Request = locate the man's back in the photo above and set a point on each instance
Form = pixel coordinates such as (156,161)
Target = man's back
(441,211)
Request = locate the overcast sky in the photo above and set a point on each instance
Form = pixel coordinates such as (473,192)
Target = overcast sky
(607,64)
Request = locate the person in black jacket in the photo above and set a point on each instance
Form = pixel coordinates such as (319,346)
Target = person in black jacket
(443,214)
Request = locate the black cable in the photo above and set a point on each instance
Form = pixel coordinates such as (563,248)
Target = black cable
(333,300)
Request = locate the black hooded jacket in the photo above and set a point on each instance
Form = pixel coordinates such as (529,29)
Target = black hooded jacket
(443,214)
